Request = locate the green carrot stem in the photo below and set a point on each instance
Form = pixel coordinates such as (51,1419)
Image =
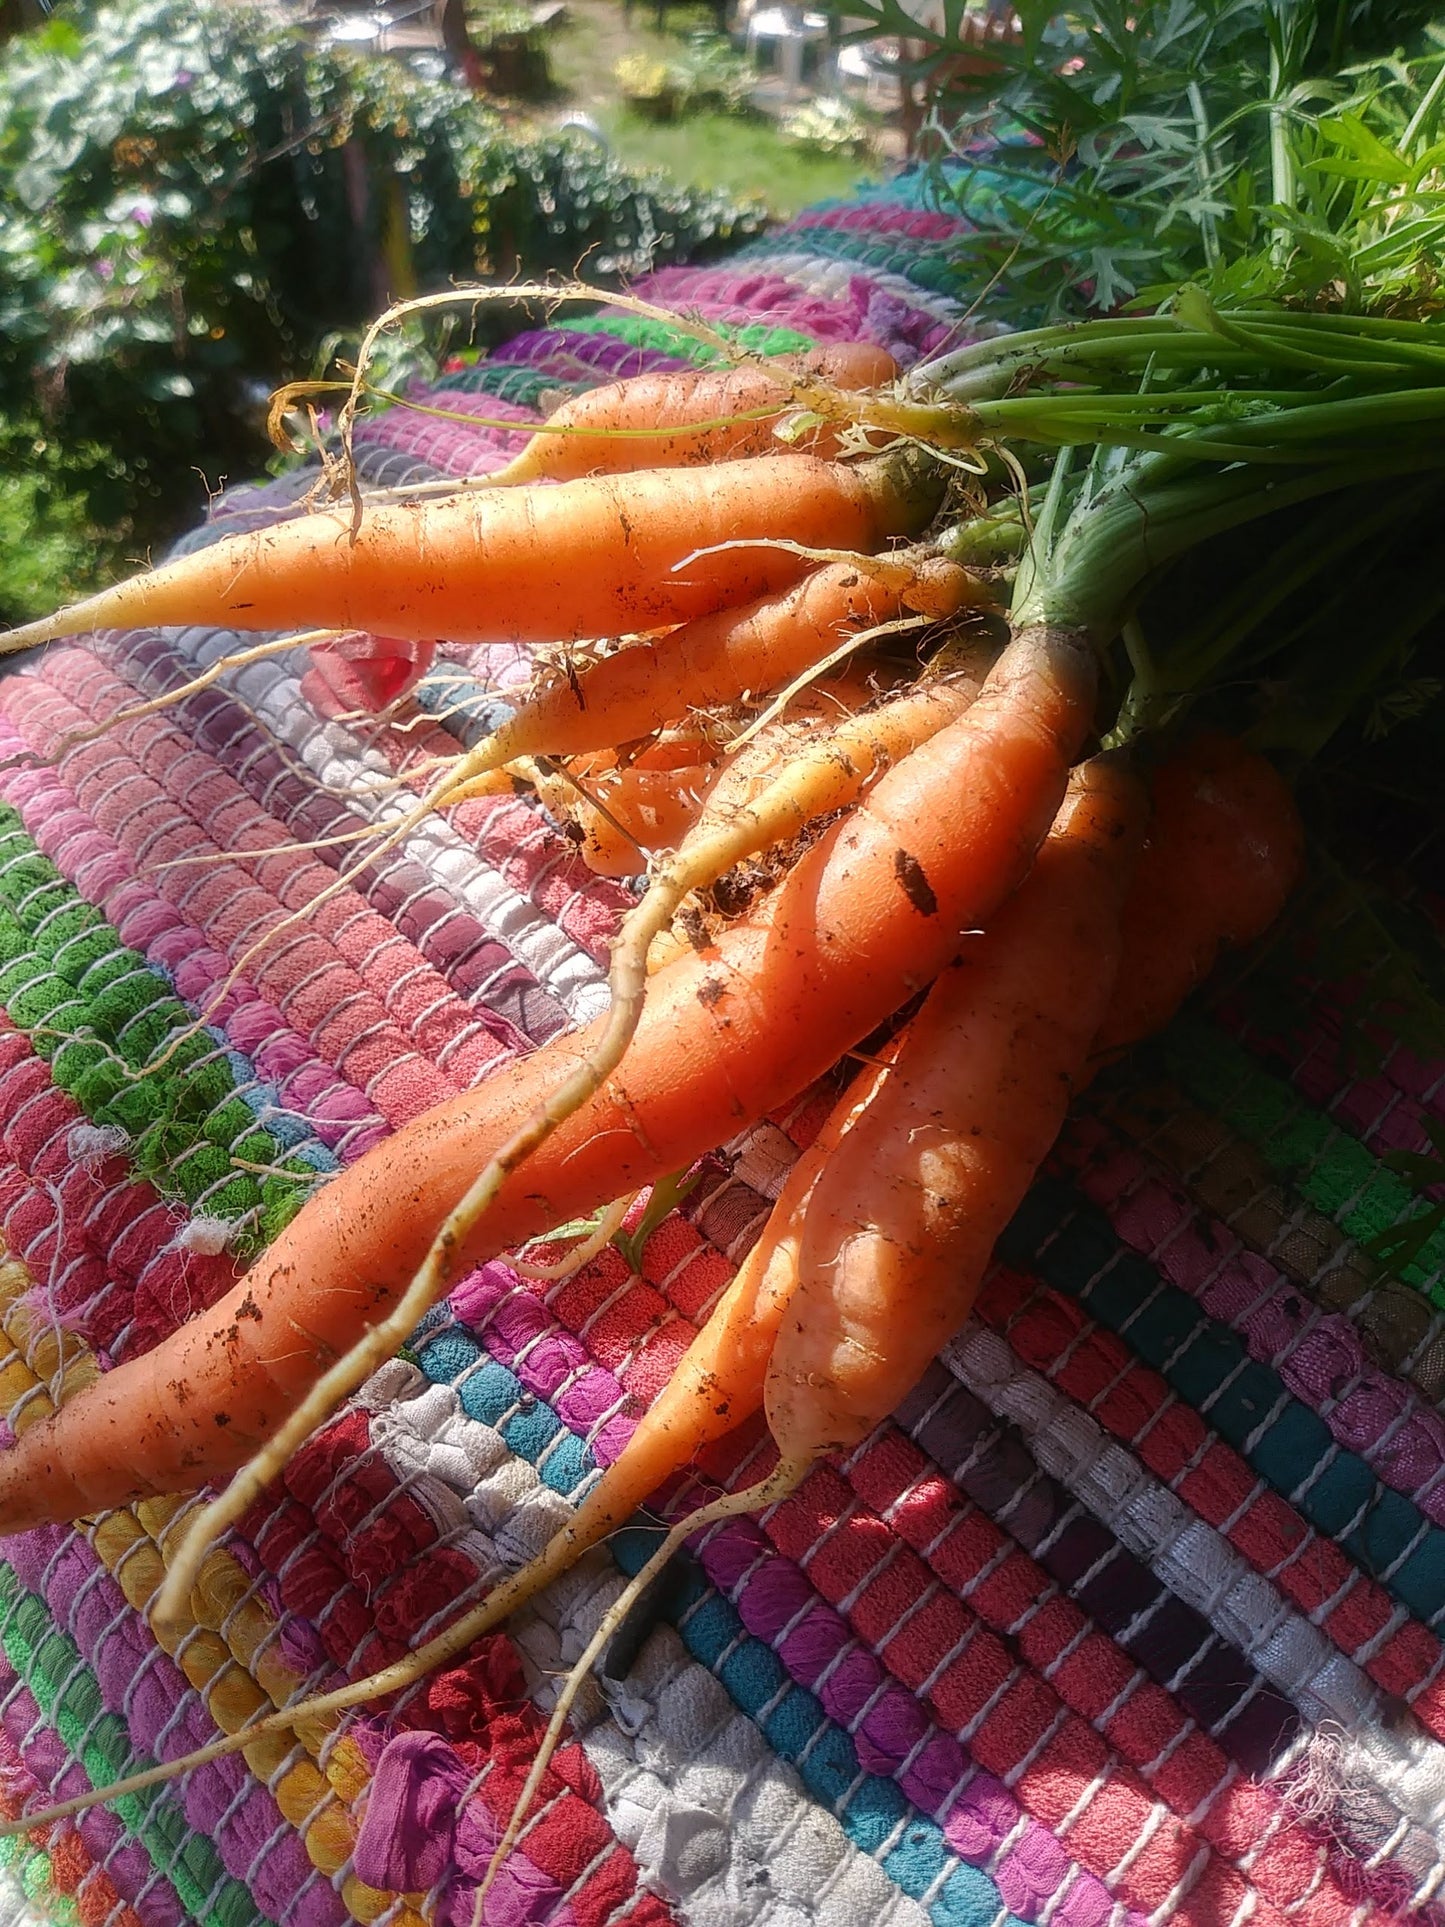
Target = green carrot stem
(1105,550)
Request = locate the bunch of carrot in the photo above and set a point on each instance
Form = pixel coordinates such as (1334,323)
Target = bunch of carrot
(937,838)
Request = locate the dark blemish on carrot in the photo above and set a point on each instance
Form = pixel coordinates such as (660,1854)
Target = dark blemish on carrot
(223,1418)
(710,992)
(914,883)
(248,1308)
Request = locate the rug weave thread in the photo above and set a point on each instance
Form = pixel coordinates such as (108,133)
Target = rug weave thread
(1132,1612)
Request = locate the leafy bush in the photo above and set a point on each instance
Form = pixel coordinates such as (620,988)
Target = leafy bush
(704,73)
(194,197)
(828,125)
(711,73)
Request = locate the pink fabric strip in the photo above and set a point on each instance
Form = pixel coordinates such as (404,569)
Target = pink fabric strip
(303,972)
(99,1243)
(413,996)
(165,1715)
(1319,1355)
(887,1720)
(104,873)
(39,1769)
(481,968)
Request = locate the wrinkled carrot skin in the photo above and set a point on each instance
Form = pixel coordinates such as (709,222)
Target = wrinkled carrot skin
(870,914)
(901,1223)
(721,657)
(1224,849)
(677,403)
(590,558)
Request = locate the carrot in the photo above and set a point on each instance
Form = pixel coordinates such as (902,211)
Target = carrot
(690,417)
(718,658)
(902,1221)
(588,558)
(1223,852)
(716,1385)
(870,913)
(899,1224)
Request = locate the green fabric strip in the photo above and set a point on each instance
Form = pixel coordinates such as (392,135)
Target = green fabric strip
(760,336)
(1327,1167)
(29,1868)
(68,1694)
(110,1028)
(510,381)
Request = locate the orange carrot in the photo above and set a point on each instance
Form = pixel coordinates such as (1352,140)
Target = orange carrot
(719,658)
(1223,852)
(868,915)
(590,558)
(690,417)
(902,1221)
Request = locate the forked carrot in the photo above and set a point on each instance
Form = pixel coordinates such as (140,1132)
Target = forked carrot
(903,1219)
(690,417)
(608,556)
(899,1224)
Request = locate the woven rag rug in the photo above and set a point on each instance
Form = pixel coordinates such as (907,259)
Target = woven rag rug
(1133,1611)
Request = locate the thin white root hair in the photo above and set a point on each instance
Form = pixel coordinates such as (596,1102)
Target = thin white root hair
(827,776)
(787,1475)
(807,391)
(602,1234)
(388,840)
(895,571)
(321,1709)
(847,647)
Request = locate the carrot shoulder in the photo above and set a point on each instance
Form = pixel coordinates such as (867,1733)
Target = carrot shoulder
(599,557)
(870,914)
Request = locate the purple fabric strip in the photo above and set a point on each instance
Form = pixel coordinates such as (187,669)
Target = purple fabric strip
(457,447)
(1319,1355)
(575,355)
(166,1717)
(919,224)
(58,1776)
(420,1828)
(748,300)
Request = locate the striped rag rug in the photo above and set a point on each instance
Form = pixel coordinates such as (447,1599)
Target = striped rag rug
(1133,1611)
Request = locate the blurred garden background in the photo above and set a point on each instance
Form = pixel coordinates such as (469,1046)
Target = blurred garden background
(202,199)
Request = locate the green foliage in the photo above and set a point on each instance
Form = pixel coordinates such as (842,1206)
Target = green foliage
(502,20)
(709,73)
(194,197)
(1269,147)
(828,124)
(704,73)
(49,550)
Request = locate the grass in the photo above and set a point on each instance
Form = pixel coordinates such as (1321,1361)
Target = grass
(742,155)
